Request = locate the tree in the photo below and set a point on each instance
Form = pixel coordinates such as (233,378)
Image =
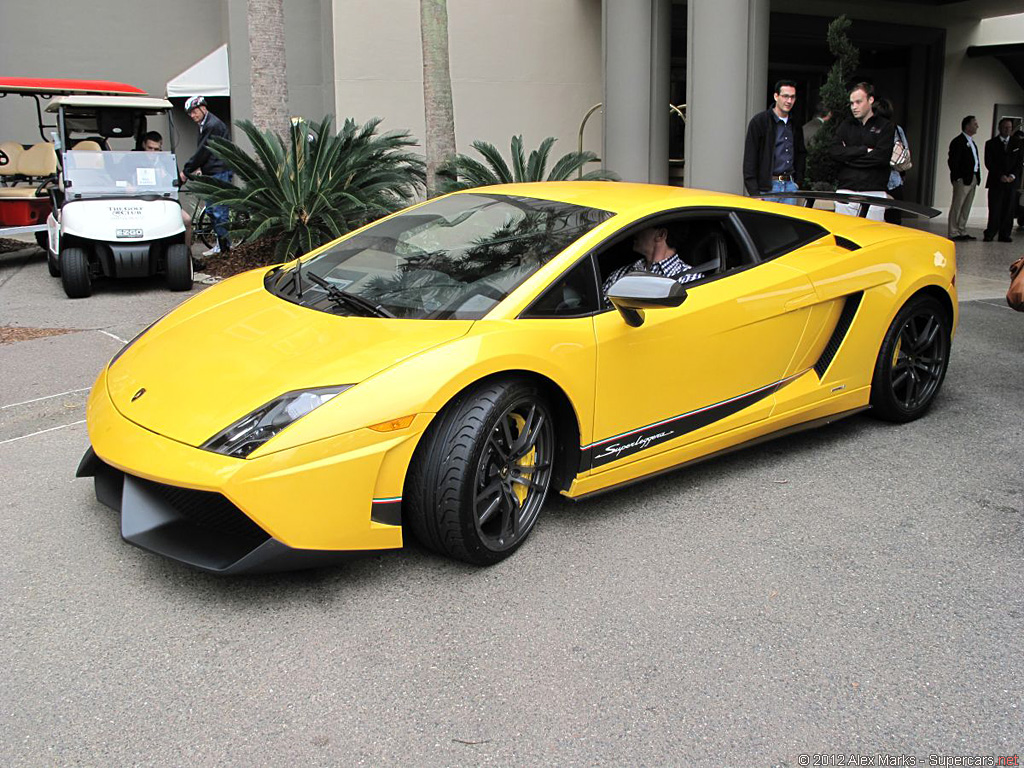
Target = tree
(466,172)
(265,20)
(438,111)
(822,169)
(317,188)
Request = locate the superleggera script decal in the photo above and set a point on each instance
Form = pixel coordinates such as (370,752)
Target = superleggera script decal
(640,443)
(628,443)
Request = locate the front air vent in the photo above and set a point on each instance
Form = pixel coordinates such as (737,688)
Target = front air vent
(839,333)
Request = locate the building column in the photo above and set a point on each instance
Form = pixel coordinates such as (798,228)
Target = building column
(636,36)
(726,84)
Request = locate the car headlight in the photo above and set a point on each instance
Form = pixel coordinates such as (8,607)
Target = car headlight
(250,432)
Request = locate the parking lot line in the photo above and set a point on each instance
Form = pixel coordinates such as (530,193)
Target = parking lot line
(45,397)
(42,431)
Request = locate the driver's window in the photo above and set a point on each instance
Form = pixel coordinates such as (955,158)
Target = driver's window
(707,246)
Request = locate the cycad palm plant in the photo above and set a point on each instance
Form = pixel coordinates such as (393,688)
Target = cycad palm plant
(467,172)
(319,187)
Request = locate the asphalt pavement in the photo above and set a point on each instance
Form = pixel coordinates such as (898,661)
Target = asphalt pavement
(857,590)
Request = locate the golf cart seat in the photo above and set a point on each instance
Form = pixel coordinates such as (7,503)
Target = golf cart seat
(12,150)
(36,163)
(88,145)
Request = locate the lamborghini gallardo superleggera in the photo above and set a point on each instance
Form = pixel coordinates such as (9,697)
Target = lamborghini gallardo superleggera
(442,371)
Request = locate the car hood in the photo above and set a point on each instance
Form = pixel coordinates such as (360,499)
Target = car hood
(235,347)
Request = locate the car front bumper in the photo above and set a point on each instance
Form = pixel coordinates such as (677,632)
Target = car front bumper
(294,508)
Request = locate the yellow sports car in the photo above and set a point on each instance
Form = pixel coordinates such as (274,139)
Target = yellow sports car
(441,371)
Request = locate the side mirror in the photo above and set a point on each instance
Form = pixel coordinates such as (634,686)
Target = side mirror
(637,291)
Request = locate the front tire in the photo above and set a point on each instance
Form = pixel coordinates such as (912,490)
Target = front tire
(912,362)
(480,477)
(74,273)
(179,268)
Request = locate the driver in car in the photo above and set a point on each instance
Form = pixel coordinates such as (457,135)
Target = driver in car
(154,142)
(658,257)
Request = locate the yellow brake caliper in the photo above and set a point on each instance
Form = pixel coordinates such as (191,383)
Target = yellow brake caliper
(527,461)
(896,352)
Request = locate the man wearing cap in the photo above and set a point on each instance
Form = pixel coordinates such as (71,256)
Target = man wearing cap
(774,155)
(205,162)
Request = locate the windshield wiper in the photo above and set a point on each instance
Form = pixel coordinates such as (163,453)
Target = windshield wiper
(349,300)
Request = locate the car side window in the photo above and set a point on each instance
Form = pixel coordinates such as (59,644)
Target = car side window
(775,235)
(708,244)
(574,294)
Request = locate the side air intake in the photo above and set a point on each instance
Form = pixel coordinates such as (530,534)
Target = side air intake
(838,334)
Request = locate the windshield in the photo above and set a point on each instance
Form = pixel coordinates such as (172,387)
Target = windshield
(87,172)
(453,258)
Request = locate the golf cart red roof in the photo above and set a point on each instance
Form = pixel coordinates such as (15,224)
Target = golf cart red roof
(62,87)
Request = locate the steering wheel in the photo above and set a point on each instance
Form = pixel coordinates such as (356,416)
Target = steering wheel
(43,190)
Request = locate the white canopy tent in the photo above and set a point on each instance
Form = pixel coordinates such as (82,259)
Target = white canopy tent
(207,77)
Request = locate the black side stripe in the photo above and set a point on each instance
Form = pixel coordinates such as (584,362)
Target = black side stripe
(618,447)
(838,333)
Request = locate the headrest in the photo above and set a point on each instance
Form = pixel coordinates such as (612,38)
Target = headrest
(88,144)
(12,150)
(38,160)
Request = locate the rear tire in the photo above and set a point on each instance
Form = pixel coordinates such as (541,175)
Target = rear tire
(482,472)
(912,362)
(74,273)
(202,228)
(179,268)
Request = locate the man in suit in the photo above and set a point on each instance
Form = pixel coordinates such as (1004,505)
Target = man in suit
(965,174)
(1003,159)
(812,126)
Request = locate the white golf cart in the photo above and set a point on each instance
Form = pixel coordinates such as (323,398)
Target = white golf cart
(28,171)
(115,208)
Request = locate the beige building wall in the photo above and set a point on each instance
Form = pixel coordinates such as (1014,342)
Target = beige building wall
(530,67)
(144,43)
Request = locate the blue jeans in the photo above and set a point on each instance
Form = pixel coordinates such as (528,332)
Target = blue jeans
(219,213)
(786,186)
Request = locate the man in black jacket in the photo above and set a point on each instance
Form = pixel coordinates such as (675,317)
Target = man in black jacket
(204,161)
(1003,163)
(863,148)
(965,175)
(774,155)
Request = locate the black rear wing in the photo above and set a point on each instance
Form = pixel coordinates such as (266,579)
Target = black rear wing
(865,201)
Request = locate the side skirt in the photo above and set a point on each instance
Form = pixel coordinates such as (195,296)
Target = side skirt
(813,424)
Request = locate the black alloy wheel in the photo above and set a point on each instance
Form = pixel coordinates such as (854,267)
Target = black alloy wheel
(482,472)
(912,362)
(513,474)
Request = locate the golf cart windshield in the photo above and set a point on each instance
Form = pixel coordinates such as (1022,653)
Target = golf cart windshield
(136,174)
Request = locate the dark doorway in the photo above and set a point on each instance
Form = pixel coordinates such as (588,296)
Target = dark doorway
(904,63)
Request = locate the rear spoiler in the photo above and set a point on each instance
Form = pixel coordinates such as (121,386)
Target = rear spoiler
(865,201)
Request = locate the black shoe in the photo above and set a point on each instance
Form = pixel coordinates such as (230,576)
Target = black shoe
(958,238)
(987,239)
(969,237)
(1005,239)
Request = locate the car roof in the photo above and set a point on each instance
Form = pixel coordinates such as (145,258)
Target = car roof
(144,103)
(613,196)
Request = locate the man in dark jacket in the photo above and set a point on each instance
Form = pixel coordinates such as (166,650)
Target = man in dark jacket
(204,161)
(965,175)
(862,146)
(1003,163)
(774,155)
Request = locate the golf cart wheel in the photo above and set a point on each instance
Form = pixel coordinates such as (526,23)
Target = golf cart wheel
(74,273)
(482,472)
(912,361)
(179,268)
